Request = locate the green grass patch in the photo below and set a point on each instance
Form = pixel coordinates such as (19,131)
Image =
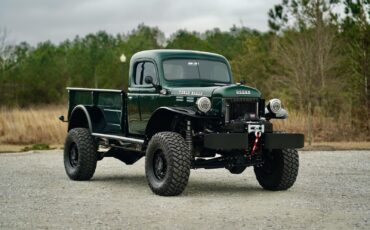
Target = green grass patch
(37,147)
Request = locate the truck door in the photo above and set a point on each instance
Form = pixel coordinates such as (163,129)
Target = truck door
(142,97)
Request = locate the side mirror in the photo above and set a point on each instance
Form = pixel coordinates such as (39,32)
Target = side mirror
(149,80)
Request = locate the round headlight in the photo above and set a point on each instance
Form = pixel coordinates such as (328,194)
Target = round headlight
(203,104)
(275,105)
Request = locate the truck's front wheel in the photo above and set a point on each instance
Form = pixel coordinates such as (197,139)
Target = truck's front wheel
(279,170)
(167,164)
(80,154)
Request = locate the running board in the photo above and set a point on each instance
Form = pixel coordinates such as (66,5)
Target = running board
(115,137)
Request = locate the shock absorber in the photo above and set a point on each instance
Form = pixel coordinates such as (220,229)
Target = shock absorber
(189,136)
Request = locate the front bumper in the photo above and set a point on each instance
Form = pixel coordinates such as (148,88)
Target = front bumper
(283,141)
(239,141)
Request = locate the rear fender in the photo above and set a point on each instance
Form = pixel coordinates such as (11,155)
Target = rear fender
(90,117)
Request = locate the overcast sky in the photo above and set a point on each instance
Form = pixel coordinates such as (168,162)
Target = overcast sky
(56,20)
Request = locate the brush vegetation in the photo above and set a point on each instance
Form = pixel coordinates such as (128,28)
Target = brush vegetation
(41,125)
(34,125)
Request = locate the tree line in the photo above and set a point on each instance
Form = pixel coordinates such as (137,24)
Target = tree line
(316,57)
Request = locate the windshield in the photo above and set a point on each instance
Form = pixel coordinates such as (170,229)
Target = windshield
(186,69)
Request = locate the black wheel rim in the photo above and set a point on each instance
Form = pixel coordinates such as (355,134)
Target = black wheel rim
(73,155)
(159,165)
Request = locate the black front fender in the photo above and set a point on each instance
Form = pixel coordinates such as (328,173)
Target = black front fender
(162,117)
(179,110)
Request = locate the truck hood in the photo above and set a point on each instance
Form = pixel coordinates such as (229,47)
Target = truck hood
(217,91)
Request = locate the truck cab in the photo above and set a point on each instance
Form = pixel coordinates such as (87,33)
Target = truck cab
(171,78)
(182,111)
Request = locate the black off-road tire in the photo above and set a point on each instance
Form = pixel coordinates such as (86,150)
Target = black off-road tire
(170,149)
(83,166)
(280,170)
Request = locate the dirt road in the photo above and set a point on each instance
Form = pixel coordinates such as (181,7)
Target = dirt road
(332,192)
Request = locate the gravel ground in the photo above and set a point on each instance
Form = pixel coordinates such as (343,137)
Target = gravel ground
(332,192)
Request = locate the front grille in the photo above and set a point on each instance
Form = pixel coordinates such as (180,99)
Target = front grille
(242,109)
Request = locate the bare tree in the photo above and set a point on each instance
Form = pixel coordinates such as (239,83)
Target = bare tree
(5,48)
(2,44)
(356,26)
(308,62)
(306,53)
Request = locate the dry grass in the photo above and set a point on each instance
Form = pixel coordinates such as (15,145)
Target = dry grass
(325,129)
(330,146)
(35,125)
(41,125)
(6,148)
(14,148)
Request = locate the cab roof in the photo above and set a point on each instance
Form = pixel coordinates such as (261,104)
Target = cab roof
(161,54)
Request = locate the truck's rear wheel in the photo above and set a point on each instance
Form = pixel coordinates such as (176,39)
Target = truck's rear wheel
(167,164)
(80,154)
(279,170)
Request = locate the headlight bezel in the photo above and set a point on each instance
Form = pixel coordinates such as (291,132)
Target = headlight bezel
(274,106)
(203,104)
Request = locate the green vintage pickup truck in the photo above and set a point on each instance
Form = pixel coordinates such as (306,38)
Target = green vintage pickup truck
(182,111)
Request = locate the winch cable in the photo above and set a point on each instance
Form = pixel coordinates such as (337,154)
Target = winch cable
(254,149)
